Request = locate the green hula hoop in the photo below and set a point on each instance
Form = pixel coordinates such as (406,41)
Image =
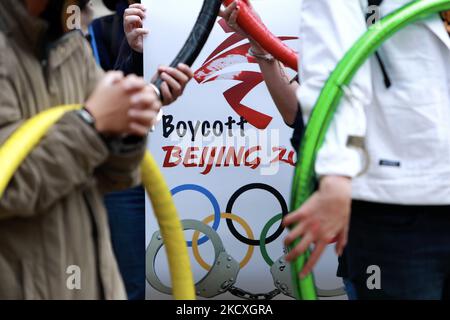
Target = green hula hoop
(327,103)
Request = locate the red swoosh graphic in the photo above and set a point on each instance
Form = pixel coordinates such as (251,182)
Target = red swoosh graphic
(217,62)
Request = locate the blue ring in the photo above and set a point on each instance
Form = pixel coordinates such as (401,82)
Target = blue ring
(212,199)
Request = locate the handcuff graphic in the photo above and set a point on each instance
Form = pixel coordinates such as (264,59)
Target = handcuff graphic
(222,275)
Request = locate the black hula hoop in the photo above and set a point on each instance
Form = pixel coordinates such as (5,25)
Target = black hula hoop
(198,37)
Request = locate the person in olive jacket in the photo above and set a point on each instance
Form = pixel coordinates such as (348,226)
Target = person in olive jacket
(54,236)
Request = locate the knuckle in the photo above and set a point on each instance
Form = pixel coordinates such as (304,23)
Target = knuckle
(289,239)
(297,250)
(301,248)
(330,238)
(122,86)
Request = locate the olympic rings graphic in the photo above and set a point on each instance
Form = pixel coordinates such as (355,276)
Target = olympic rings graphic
(253,186)
(233,217)
(262,244)
(222,275)
(212,199)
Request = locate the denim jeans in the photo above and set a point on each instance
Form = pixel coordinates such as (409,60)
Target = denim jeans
(350,289)
(408,245)
(126,211)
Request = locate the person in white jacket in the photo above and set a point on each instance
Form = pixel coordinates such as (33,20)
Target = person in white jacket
(396,184)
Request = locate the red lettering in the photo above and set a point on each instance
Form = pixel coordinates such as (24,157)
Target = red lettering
(172,151)
(190,155)
(255,162)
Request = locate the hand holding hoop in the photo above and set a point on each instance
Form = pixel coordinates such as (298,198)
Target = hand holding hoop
(198,37)
(328,102)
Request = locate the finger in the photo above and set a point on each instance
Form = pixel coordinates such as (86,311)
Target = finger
(133,83)
(130,79)
(225,13)
(146,100)
(133,21)
(308,208)
(135,33)
(306,242)
(134,12)
(176,74)
(313,258)
(295,234)
(295,217)
(143,117)
(222,13)
(167,95)
(341,242)
(174,86)
(233,18)
(138,6)
(138,130)
(300,248)
(186,70)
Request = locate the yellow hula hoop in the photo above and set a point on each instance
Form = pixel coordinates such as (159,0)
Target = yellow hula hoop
(233,217)
(171,229)
(15,150)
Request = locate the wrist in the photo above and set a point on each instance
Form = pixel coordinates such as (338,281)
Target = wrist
(268,58)
(257,49)
(86,116)
(338,191)
(97,122)
(334,180)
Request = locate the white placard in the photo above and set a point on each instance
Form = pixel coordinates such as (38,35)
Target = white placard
(200,121)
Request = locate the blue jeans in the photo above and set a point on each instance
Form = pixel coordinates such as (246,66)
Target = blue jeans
(409,244)
(126,212)
(350,289)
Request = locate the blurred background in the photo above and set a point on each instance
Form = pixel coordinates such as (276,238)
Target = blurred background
(99,8)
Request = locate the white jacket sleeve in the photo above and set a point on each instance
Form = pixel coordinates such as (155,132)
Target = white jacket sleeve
(329,28)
